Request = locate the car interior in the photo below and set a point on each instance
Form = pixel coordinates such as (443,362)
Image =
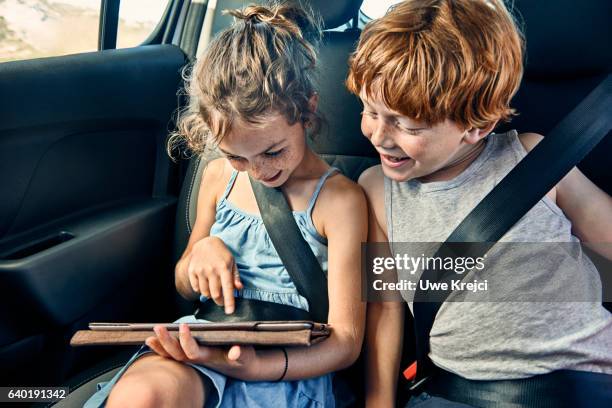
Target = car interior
(94,214)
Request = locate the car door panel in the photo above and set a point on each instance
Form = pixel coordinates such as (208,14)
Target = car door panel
(88,195)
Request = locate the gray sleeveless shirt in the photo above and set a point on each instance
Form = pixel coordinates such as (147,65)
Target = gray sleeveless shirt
(508,339)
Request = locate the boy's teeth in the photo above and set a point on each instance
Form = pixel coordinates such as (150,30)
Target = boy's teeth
(396,159)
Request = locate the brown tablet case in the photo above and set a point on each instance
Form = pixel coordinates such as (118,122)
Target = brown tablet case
(286,333)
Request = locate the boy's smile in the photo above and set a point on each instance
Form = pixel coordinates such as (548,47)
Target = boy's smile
(410,149)
(394,161)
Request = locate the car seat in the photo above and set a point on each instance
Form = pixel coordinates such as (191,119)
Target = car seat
(567,56)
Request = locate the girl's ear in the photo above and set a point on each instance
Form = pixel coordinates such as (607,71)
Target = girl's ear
(313,102)
(474,135)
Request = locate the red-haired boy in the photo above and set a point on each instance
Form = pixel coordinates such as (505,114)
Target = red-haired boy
(435,77)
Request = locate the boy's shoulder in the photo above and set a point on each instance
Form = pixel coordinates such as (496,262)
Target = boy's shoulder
(530,140)
(372,180)
(339,188)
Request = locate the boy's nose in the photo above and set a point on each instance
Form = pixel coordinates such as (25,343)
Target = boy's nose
(380,136)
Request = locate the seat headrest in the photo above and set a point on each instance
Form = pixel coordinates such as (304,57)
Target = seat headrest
(566,38)
(336,12)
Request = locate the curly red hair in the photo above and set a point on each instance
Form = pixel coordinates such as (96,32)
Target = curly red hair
(432,60)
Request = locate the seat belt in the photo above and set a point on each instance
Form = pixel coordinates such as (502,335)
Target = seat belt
(297,256)
(568,143)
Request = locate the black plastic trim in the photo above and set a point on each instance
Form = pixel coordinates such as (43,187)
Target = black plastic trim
(109,23)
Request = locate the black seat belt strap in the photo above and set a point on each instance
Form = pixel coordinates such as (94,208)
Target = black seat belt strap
(297,256)
(566,145)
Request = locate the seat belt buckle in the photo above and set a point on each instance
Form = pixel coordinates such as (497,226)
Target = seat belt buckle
(410,374)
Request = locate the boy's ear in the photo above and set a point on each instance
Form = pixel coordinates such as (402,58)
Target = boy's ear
(474,135)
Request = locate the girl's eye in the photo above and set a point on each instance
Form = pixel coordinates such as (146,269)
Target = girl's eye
(274,154)
(234,158)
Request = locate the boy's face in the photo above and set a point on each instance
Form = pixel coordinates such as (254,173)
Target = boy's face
(410,149)
(269,152)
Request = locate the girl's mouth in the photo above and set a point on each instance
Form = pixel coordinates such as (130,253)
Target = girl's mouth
(273,178)
(394,161)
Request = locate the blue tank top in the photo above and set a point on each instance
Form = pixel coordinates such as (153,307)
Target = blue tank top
(261,270)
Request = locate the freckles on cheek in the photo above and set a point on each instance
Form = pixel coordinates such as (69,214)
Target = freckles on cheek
(415,147)
(286,160)
(365,128)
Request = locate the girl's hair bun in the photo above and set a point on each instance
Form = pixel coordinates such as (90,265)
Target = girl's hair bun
(264,63)
(294,16)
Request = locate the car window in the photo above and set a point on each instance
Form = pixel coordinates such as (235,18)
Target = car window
(33,28)
(137,19)
(371,9)
(43,28)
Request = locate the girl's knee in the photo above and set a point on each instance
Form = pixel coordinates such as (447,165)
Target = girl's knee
(158,382)
(136,392)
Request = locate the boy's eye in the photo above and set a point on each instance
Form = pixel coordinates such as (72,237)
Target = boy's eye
(368,113)
(410,131)
(275,153)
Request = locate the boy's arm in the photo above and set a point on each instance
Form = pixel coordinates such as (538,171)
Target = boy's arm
(384,342)
(587,207)
(384,320)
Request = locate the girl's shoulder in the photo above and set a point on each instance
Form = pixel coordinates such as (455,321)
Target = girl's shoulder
(215,177)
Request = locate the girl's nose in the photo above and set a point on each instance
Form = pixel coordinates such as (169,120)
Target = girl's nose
(257,170)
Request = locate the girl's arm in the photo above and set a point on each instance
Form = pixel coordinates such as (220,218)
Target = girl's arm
(212,178)
(342,209)
(385,320)
(585,205)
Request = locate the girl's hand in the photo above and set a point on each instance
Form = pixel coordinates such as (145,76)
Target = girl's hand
(213,273)
(237,361)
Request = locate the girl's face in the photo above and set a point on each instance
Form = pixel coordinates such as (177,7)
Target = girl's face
(269,152)
(410,149)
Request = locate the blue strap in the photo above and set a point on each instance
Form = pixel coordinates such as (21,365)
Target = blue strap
(230,184)
(320,183)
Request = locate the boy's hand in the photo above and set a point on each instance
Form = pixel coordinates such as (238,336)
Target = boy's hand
(213,273)
(235,361)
